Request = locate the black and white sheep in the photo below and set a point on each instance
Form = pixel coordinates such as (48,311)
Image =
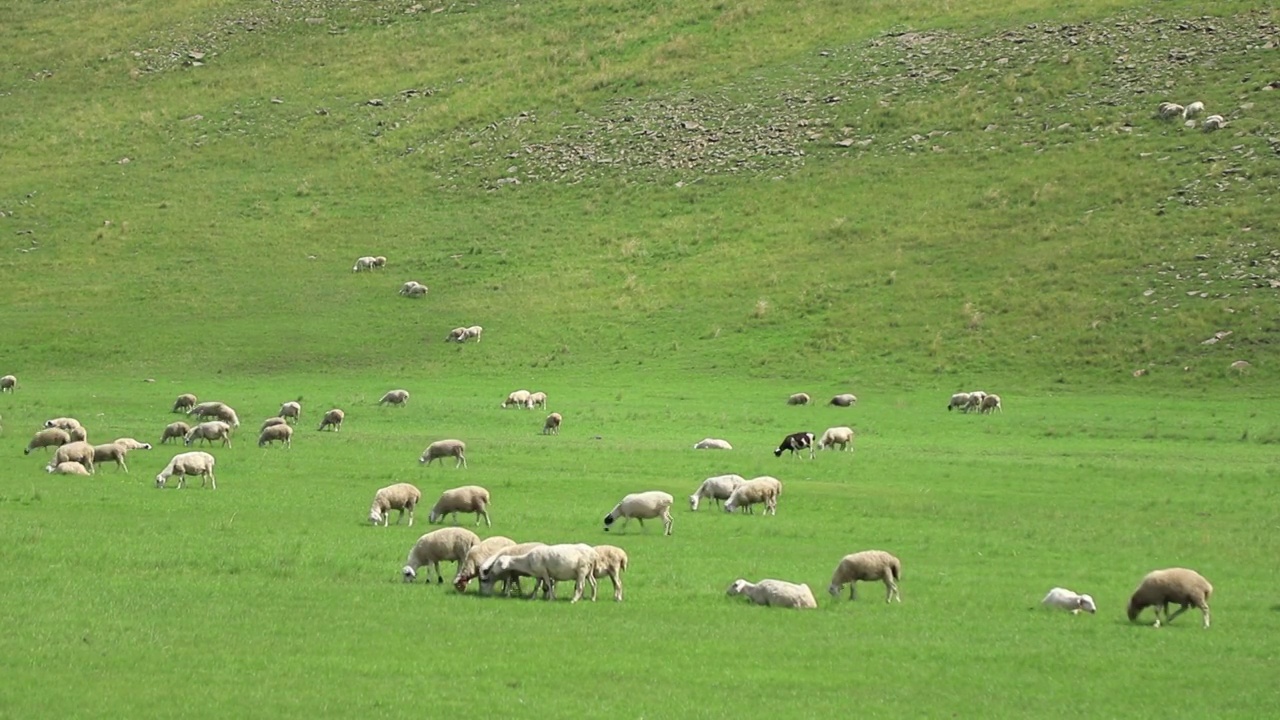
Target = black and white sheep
(189,464)
(795,442)
(47,438)
(959,401)
(467,499)
(443,449)
(642,506)
(1213,122)
(333,419)
(763,489)
(443,545)
(774,593)
(394,397)
(867,565)
(717,488)
(842,436)
(1179,586)
(990,404)
(400,496)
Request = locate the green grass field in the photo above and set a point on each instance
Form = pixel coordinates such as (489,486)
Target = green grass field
(669,217)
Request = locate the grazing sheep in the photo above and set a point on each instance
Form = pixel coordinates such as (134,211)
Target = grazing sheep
(208,432)
(76,451)
(551,563)
(798,399)
(642,506)
(775,593)
(272,421)
(975,400)
(712,444)
(184,403)
(413,288)
(1067,600)
(395,397)
(332,419)
(111,451)
(174,431)
(470,566)
(444,449)
(468,498)
(1169,110)
(1192,110)
(842,436)
(443,545)
(794,442)
(401,496)
(458,334)
(368,262)
(764,489)
(205,409)
(551,426)
(510,577)
(990,404)
(131,444)
(63,423)
(67,468)
(227,415)
(291,409)
(610,562)
(189,463)
(867,565)
(380,261)
(536,399)
(473,332)
(959,400)
(716,488)
(8,383)
(78,434)
(1213,122)
(274,433)
(519,398)
(49,437)
(845,400)
(1172,585)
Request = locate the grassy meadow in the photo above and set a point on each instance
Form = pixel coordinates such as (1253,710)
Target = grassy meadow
(668,216)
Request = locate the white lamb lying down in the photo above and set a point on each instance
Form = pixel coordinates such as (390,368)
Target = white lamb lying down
(1067,600)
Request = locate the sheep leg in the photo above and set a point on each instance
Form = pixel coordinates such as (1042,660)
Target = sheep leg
(616,577)
(1169,618)
(666,522)
(853,590)
(1204,611)
(435,565)
(122,465)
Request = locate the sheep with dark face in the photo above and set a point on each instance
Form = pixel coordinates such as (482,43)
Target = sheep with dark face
(1179,586)
(642,506)
(795,442)
(47,438)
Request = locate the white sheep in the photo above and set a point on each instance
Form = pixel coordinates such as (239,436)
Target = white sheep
(712,444)
(76,451)
(990,404)
(473,332)
(716,488)
(400,496)
(189,463)
(208,408)
(468,498)
(8,383)
(78,433)
(959,400)
(1180,586)
(642,506)
(272,421)
(764,489)
(867,565)
(519,398)
(276,433)
(1170,110)
(68,468)
(131,444)
(611,562)
(174,431)
(510,578)
(551,426)
(63,423)
(368,262)
(469,568)
(775,593)
(413,288)
(111,451)
(844,400)
(333,419)
(291,409)
(1192,110)
(975,400)
(1068,600)
(799,399)
(184,403)
(1213,122)
(394,397)
(551,563)
(47,438)
(208,432)
(536,399)
(842,436)
(458,334)
(443,449)
(380,261)
(443,545)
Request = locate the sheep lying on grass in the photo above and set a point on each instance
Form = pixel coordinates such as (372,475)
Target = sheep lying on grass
(1064,599)
(842,436)
(413,289)
(47,438)
(189,463)
(400,496)
(77,451)
(443,545)
(63,423)
(642,506)
(443,449)
(764,489)
(174,431)
(469,568)
(549,564)
(395,397)
(716,488)
(1180,586)
(131,444)
(333,419)
(798,399)
(68,468)
(468,498)
(712,444)
(775,593)
(184,403)
(867,565)
(282,433)
(551,426)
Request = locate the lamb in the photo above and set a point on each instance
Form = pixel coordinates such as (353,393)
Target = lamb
(131,444)
(794,442)
(401,496)
(333,419)
(184,403)
(549,564)
(716,488)
(1067,600)
(77,452)
(49,437)
(842,436)
(208,432)
(536,399)
(111,451)
(444,449)
(764,489)
(551,426)
(367,262)
(468,498)
(473,332)
(777,593)
(867,565)
(63,423)
(519,398)
(845,400)
(8,383)
(445,544)
(273,433)
(1170,110)
(509,577)
(189,463)
(413,288)
(291,409)
(1213,122)
(1172,585)
(712,444)
(174,430)
(272,421)
(68,468)
(642,506)
(470,566)
(798,399)
(990,404)
(395,397)
(959,400)
(610,562)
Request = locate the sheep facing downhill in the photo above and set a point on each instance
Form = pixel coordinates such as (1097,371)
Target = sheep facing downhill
(552,563)
(551,426)
(1065,599)
(475,331)
(333,419)
(642,506)
(867,565)
(764,489)
(844,400)
(291,409)
(400,496)
(443,545)
(774,593)
(712,444)
(1180,586)
(189,463)
(795,442)
(468,498)
(395,397)
(47,438)
(1192,110)
(717,488)
(469,568)
(184,403)
(8,383)
(174,431)
(276,433)
(842,436)
(443,449)
(799,399)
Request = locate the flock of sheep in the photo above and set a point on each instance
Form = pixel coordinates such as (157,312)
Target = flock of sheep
(1170,111)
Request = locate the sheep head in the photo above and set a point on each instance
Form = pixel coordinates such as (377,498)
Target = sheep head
(1086,604)
(409,573)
